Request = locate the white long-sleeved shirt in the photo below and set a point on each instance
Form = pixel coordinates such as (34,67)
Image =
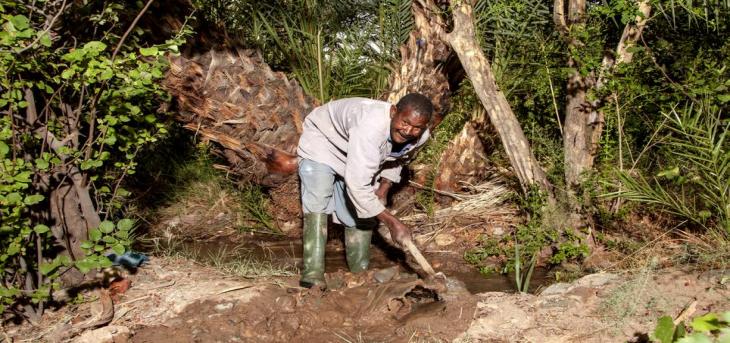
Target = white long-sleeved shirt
(352,136)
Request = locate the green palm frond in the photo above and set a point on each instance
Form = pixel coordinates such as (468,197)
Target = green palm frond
(697,186)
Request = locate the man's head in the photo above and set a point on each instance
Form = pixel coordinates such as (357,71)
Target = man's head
(409,118)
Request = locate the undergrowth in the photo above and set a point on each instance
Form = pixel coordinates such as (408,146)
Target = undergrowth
(188,194)
(528,242)
(238,262)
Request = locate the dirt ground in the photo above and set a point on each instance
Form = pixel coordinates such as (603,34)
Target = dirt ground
(178,300)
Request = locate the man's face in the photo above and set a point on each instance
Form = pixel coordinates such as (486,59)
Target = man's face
(406,126)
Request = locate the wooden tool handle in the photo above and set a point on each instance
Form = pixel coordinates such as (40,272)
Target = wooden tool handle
(419,257)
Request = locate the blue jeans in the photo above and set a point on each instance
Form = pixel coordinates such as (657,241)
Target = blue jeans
(323,191)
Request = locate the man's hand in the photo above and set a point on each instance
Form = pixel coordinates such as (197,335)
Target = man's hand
(383,189)
(398,231)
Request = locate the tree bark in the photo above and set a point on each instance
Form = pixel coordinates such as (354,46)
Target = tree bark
(422,58)
(583,119)
(463,40)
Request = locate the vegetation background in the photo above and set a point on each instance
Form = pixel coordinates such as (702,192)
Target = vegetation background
(85,124)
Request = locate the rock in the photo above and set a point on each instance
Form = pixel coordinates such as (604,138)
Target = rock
(556,289)
(596,280)
(223,307)
(107,334)
(385,275)
(496,231)
(444,239)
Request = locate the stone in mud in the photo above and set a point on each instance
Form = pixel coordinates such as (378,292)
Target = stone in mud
(107,334)
(223,307)
(596,280)
(385,275)
(556,289)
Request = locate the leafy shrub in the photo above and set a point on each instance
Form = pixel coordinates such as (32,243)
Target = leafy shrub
(705,329)
(81,100)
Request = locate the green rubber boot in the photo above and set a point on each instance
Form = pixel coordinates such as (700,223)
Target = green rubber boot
(357,248)
(315,239)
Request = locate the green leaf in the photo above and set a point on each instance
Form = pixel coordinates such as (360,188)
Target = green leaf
(695,338)
(20,22)
(41,229)
(86,165)
(109,240)
(46,40)
(149,51)
(94,235)
(106,74)
(85,265)
(106,226)
(41,164)
(67,74)
(708,322)
(33,199)
(669,173)
(74,55)
(94,47)
(14,198)
(664,331)
(125,224)
(118,249)
(87,245)
(4,149)
(723,98)
(47,268)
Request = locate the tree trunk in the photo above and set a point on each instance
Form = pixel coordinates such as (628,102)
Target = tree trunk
(583,119)
(463,40)
(422,58)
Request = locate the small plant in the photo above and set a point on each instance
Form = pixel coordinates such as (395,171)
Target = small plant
(709,328)
(523,280)
(520,251)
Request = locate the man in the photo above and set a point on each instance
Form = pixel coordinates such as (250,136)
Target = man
(346,147)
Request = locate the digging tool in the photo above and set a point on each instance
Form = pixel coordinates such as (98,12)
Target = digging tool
(411,248)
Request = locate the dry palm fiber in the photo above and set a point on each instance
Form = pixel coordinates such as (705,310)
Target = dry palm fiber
(483,203)
(233,98)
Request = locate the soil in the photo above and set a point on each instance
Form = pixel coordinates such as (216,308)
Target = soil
(179,300)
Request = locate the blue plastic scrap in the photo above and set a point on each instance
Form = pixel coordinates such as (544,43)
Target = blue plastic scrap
(129,259)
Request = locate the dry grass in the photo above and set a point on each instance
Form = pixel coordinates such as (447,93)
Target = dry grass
(484,203)
(237,262)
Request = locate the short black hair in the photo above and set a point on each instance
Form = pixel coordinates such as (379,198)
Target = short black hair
(418,103)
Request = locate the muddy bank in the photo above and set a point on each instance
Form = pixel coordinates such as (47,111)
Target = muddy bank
(355,307)
(287,253)
(178,300)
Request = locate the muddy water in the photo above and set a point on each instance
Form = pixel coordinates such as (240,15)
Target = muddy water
(287,253)
(355,307)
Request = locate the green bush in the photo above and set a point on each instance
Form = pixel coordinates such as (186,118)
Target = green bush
(709,328)
(81,98)
(694,181)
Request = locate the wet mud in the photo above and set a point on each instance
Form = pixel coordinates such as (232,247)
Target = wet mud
(388,303)
(354,308)
(288,253)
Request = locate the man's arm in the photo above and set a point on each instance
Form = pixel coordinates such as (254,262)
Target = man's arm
(383,189)
(399,231)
